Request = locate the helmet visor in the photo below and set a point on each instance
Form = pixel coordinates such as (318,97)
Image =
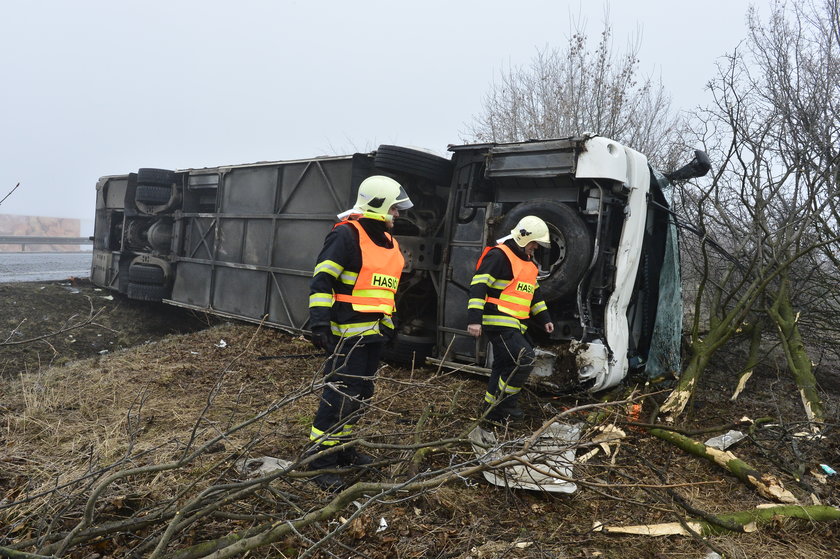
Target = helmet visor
(403,202)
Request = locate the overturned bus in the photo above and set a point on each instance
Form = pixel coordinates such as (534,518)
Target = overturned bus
(241,241)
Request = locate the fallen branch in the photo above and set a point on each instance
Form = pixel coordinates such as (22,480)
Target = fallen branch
(13,554)
(767,485)
(747,521)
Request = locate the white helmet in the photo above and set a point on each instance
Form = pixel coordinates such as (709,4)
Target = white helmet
(378,194)
(531,228)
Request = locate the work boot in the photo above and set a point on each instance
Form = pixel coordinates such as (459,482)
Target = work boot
(328,481)
(511,408)
(351,457)
(506,409)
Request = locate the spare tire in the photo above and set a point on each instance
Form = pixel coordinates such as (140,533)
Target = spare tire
(414,162)
(570,254)
(160,177)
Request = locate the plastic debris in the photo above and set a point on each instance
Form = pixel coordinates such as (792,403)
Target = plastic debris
(606,436)
(550,459)
(828,469)
(383,525)
(543,362)
(722,442)
(221,343)
(256,467)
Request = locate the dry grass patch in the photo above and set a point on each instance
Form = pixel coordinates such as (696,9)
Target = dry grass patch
(192,400)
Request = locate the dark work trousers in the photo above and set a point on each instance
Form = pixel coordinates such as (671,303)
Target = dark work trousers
(513,360)
(350,373)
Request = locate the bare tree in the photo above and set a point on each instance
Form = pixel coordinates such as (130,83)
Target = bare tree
(577,89)
(774,131)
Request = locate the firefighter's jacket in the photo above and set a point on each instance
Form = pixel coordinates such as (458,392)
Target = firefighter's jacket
(495,301)
(335,298)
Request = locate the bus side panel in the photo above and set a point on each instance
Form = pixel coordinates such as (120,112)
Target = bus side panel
(252,258)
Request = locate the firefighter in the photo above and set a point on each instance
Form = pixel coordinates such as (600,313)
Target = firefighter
(351,303)
(503,294)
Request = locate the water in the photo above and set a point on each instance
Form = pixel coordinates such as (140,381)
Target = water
(43,266)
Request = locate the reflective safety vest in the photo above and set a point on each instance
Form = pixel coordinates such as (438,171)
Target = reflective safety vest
(515,299)
(379,276)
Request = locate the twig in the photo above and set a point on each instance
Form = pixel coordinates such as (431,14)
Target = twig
(10,193)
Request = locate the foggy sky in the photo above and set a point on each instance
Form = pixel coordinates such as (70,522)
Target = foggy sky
(91,88)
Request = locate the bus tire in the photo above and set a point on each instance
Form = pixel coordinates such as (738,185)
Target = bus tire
(146,291)
(159,177)
(414,162)
(153,195)
(409,350)
(146,273)
(571,244)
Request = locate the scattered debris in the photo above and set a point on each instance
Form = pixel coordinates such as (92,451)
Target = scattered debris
(606,435)
(547,466)
(767,485)
(493,549)
(256,467)
(722,442)
(744,521)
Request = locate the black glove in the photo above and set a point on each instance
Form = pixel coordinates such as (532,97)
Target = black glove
(388,333)
(322,338)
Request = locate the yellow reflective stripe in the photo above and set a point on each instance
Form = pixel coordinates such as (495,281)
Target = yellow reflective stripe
(330,439)
(499,320)
(372,215)
(377,293)
(508,389)
(482,278)
(539,307)
(348,277)
(490,281)
(369,305)
(322,438)
(513,309)
(355,329)
(321,300)
(489,398)
(387,322)
(369,300)
(476,304)
(514,300)
(383,308)
(328,267)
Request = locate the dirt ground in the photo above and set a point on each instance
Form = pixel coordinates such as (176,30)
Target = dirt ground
(139,379)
